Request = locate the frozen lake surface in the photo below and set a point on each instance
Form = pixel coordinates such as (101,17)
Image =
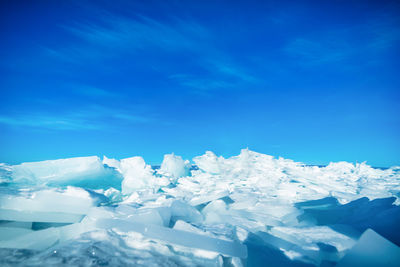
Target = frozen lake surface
(247,210)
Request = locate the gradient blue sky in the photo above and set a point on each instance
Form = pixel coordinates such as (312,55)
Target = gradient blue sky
(314,81)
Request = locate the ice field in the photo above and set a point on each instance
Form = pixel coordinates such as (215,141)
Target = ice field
(247,210)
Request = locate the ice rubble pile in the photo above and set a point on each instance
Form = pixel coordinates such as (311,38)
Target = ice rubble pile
(247,210)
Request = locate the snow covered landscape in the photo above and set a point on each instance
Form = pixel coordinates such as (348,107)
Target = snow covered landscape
(246,210)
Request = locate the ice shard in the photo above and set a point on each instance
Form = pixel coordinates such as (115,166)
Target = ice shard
(137,175)
(178,237)
(35,240)
(201,199)
(63,206)
(174,166)
(280,212)
(86,172)
(372,250)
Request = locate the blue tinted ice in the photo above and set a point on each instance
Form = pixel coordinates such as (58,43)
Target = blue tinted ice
(247,210)
(372,250)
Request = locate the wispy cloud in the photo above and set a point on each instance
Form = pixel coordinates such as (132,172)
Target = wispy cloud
(219,75)
(122,35)
(92,91)
(117,36)
(130,118)
(385,33)
(342,44)
(200,85)
(48,122)
(90,118)
(313,52)
(232,70)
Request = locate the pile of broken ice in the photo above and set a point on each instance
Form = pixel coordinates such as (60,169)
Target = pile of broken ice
(247,210)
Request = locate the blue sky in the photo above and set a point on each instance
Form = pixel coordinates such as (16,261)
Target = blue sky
(314,81)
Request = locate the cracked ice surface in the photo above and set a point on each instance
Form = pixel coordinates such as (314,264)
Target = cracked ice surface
(248,210)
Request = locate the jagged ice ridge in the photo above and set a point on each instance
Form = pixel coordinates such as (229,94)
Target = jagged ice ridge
(247,210)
